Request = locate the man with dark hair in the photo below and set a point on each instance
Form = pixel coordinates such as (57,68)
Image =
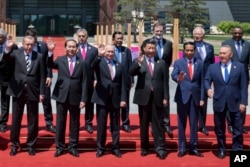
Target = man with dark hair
(70,93)
(241,53)
(164,52)
(151,95)
(41,47)
(6,72)
(26,87)
(123,56)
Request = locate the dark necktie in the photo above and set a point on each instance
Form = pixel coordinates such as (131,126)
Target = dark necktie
(83,52)
(226,74)
(1,49)
(28,62)
(238,49)
(190,69)
(71,67)
(150,67)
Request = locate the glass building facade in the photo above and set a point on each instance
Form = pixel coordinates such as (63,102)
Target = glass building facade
(53,17)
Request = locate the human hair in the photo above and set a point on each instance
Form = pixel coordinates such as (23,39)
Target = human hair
(196,28)
(147,41)
(66,42)
(31,32)
(188,43)
(116,32)
(227,46)
(157,24)
(82,30)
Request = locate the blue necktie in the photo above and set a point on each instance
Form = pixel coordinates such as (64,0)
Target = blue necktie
(226,73)
(238,49)
(159,49)
(118,54)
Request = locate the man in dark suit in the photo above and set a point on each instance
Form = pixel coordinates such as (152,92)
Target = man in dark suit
(70,93)
(41,47)
(241,53)
(87,53)
(164,52)
(151,95)
(6,72)
(230,95)
(205,53)
(187,73)
(26,87)
(123,56)
(109,96)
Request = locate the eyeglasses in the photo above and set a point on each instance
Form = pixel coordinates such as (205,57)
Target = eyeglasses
(239,33)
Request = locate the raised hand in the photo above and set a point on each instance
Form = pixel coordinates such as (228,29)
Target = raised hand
(101,50)
(50,44)
(9,42)
(140,57)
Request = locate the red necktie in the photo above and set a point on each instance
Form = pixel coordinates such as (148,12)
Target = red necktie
(83,52)
(150,67)
(190,69)
(71,67)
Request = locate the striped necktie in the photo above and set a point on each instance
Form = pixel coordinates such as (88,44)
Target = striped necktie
(28,62)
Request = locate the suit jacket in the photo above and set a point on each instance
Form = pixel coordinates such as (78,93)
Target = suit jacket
(126,61)
(72,88)
(145,83)
(6,69)
(167,52)
(43,49)
(107,87)
(232,93)
(209,59)
(32,80)
(91,53)
(245,54)
(186,86)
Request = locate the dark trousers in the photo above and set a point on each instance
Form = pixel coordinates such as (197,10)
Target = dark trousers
(202,114)
(102,116)
(229,121)
(183,111)
(5,105)
(32,116)
(125,111)
(220,126)
(166,118)
(89,107)
(152,113)
(74,123)
(47,108)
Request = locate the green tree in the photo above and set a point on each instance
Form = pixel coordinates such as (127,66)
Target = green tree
(191,13)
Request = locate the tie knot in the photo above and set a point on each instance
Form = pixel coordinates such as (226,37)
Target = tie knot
(225,65)
(83,46)
(190,61)
(238,43)
(149,60)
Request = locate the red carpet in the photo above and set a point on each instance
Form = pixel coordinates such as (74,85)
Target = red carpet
(129,143)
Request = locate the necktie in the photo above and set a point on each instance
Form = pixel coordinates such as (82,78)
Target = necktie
(111,69)
(1,49)
(71,67)
(238,48)
(190,69)
(201,52)
(118,54)
(150,67)
(83,52)
(226,74)
(28,62)
(159,49)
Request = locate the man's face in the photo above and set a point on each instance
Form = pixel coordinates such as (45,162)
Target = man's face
(82,37)
(225,54)
(198,35)
(150,50)
(71,48)
(109,52)
(28,44)
(189,51)
(158,32)
(2,39)
(237,34)
(117,41)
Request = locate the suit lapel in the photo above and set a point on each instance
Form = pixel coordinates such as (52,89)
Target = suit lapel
(66,63)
